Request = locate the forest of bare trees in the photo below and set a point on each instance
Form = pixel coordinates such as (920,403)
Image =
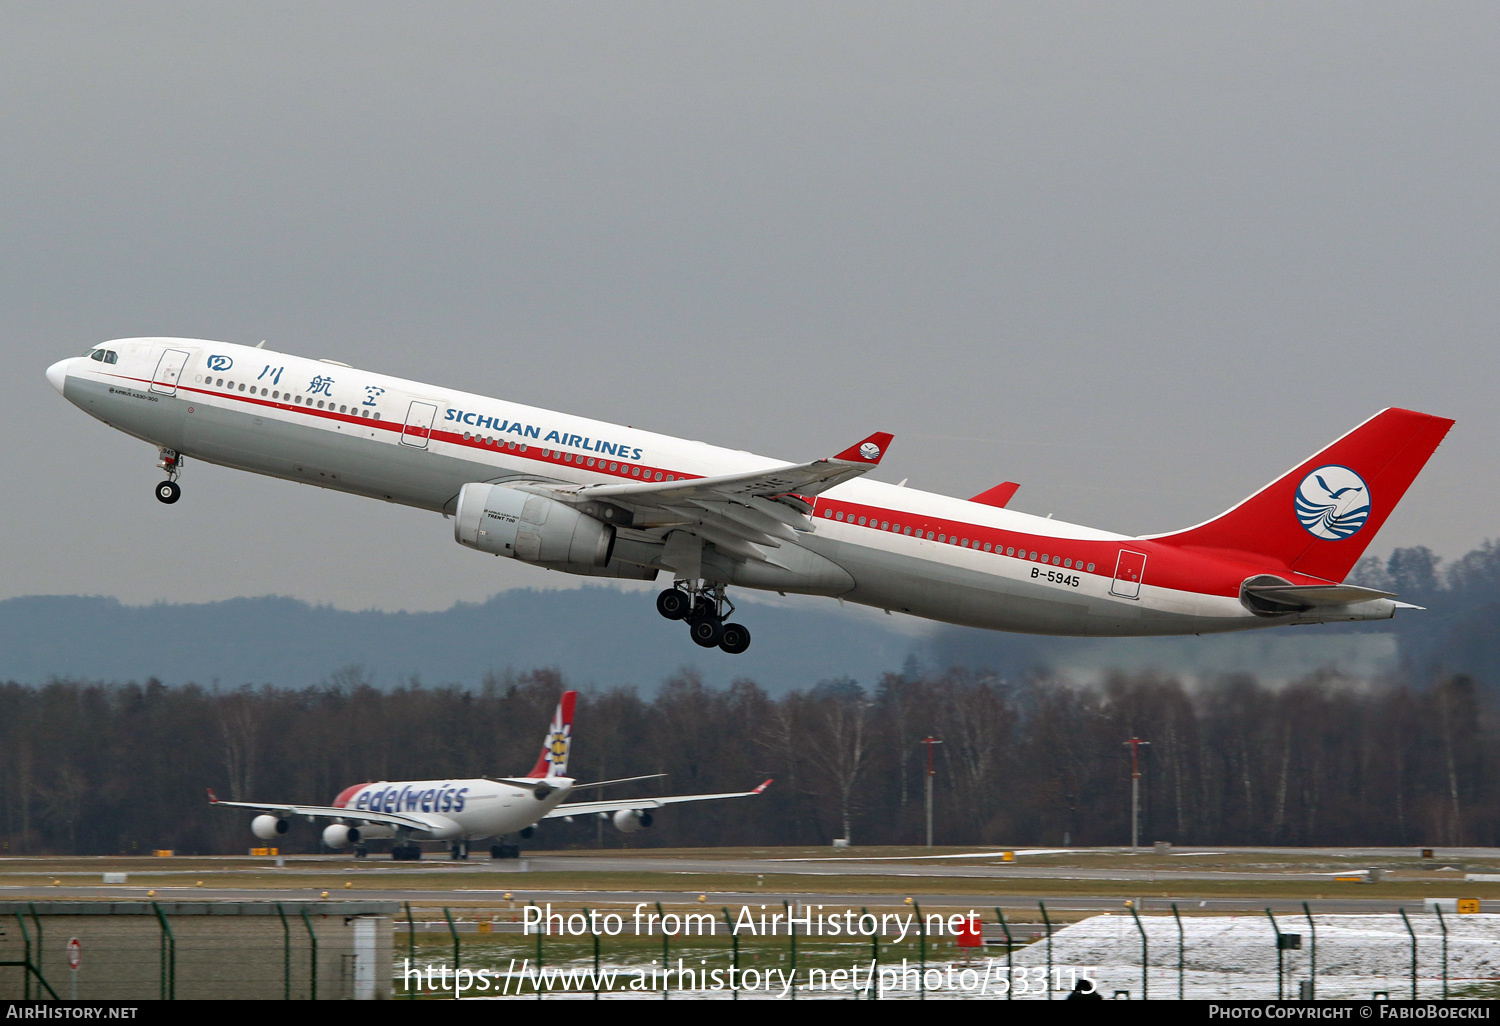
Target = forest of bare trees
(91,768)
(1031,760)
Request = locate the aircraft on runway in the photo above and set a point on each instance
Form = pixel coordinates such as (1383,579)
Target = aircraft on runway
(584,497)
(461,811)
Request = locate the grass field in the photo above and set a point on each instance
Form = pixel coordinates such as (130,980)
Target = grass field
(1245,875)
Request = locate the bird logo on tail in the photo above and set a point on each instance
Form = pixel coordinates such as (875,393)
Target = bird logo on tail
(1333,503)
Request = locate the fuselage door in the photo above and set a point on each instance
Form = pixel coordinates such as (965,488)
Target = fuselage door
(168,370)
(418,427)
(1128,573)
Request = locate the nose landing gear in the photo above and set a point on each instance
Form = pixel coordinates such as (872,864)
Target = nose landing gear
(169,491)
(705,607)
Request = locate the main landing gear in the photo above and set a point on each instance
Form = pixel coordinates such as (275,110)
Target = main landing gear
(705,608)
(459,850)
(169,491)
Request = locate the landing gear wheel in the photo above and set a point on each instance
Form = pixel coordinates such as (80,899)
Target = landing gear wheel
(505,851)
(168,492)
(672,604)
(707,632)
(703,609)
(734,638)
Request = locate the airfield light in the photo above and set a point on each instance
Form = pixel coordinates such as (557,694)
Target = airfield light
(929,742)
(1135,793)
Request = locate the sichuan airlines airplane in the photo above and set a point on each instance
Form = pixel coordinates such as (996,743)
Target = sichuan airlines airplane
(584,497)
(461,811)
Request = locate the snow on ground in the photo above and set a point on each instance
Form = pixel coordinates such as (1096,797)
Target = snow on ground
(1235,956)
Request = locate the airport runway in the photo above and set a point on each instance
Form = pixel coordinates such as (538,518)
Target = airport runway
(1187,902)
(981,866)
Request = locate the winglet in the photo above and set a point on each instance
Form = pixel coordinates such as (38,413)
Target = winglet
(868,451)
(767,784)
(998,495)
(212,799)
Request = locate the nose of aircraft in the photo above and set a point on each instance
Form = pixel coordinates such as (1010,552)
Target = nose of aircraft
(58,374)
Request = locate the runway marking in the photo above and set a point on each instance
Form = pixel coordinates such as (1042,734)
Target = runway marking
(919,858)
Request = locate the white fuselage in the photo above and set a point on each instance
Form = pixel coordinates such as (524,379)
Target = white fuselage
(900,549)
(453,810)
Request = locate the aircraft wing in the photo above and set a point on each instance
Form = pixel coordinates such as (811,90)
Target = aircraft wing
(745,515)
(795,479)
(588,808)
(332,812)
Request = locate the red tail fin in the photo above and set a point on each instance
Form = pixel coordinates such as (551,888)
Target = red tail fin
(553,762)
(1320,517)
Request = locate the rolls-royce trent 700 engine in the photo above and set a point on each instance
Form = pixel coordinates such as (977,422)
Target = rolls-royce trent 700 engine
(506,522)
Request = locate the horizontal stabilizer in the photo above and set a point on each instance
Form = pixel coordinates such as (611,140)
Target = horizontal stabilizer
(1302,597)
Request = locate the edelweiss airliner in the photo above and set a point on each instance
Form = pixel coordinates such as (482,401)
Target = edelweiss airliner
(585,497)
(461,811)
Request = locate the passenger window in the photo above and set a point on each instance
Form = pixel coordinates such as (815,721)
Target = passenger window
(635,471)
(591,461)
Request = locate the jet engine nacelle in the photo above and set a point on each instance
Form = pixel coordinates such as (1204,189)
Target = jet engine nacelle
(506,522)
(628,821)
(268,828)
(336,835)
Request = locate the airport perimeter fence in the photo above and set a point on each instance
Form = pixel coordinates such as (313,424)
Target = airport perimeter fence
(122,951)
(1259,956)
(321,950)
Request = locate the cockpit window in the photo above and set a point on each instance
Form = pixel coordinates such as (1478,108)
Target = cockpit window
(89,352)
(103,355)
(110,356)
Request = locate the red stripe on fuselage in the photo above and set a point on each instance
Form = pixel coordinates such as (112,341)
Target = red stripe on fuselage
(1166,566)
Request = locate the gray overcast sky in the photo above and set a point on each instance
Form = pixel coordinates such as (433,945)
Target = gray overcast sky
(1139,257)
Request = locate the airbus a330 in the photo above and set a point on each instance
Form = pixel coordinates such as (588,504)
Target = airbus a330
(580,496)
